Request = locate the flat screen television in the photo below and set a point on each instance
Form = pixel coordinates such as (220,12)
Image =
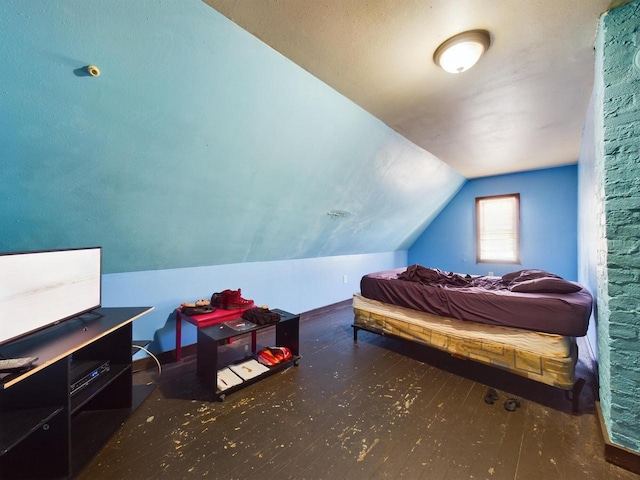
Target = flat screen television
(43,288)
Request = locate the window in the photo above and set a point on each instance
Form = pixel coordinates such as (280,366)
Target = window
(498,229)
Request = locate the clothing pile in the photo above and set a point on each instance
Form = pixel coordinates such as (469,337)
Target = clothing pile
(261,316)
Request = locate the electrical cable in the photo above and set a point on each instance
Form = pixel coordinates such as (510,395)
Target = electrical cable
(152,356)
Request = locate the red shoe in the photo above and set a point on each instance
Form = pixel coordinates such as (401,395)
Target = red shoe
(216,298)
(232,300)
(273,355)
(266,357)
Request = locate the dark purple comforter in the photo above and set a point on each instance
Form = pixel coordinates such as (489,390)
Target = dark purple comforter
(514,300)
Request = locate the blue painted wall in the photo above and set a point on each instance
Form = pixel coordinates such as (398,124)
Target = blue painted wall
(197,145)
(614,180)
(548,225)
(292,285)
(590,212)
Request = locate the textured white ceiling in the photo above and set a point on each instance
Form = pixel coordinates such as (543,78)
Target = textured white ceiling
(521,107)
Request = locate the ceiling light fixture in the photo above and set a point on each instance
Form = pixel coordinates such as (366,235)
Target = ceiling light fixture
(462,51)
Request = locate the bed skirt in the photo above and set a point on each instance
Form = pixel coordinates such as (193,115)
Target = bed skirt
(545,358)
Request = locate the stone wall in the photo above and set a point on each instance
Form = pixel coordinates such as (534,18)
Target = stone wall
(617,113)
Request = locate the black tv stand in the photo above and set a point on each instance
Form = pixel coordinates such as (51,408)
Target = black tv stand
(95,313)
(44,431)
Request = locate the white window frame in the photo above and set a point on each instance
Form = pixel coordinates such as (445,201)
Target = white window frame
(498,229)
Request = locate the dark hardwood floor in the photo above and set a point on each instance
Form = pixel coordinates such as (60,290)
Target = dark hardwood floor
(380,408)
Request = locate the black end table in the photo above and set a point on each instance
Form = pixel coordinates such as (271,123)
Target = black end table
(209,338)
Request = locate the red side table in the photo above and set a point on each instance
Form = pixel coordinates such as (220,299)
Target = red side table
(206,319)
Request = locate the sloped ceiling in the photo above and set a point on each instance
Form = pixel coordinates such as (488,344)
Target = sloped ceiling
(521,107)
(197,145)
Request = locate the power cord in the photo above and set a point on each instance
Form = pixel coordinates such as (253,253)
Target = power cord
(152,356)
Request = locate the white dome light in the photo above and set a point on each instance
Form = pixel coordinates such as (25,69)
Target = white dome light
(462,51)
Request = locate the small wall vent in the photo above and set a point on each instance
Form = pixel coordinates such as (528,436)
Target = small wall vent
(338,213)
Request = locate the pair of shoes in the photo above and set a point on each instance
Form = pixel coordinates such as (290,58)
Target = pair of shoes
(491,396)
(199,307)
(203,302)
(230,300)
(511,403)
(191,311)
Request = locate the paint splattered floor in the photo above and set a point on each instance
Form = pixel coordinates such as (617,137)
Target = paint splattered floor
(376,409)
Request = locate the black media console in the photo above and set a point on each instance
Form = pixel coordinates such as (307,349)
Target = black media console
(45,430)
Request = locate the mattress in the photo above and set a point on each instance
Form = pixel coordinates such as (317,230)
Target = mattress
(546,358)
(556,313)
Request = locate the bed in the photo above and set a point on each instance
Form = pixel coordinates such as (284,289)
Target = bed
(525,322)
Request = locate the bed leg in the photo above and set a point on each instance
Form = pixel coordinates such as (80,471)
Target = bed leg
(355,334)
(574,395)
